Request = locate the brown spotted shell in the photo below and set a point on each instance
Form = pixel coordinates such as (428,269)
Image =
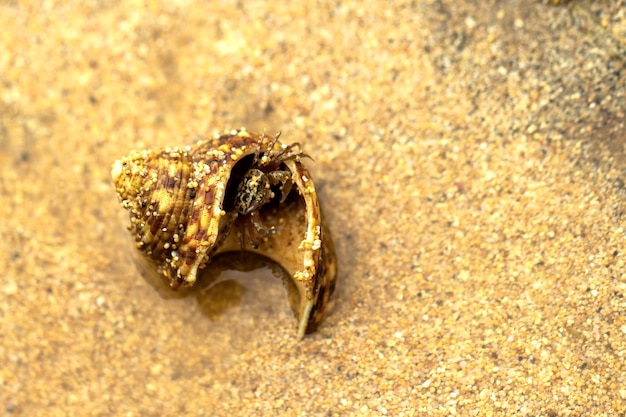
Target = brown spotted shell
(183,219)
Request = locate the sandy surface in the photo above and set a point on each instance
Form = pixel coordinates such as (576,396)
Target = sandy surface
(470,160)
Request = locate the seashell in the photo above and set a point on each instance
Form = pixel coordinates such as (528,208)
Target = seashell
(239,200)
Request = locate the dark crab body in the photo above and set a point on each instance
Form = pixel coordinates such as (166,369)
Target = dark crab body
(233,193)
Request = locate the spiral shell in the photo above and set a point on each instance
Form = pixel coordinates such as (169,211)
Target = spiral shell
(201,209)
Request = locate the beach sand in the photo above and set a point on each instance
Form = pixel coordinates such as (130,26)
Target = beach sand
(470,163)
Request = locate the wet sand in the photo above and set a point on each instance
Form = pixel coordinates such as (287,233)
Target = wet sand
(469,159)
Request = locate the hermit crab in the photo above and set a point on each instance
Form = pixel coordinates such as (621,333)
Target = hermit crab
(237,200)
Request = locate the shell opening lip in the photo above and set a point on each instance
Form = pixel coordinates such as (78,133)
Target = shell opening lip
(246,261)
(303,322)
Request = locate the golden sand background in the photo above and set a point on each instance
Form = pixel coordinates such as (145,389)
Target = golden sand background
(470,160)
